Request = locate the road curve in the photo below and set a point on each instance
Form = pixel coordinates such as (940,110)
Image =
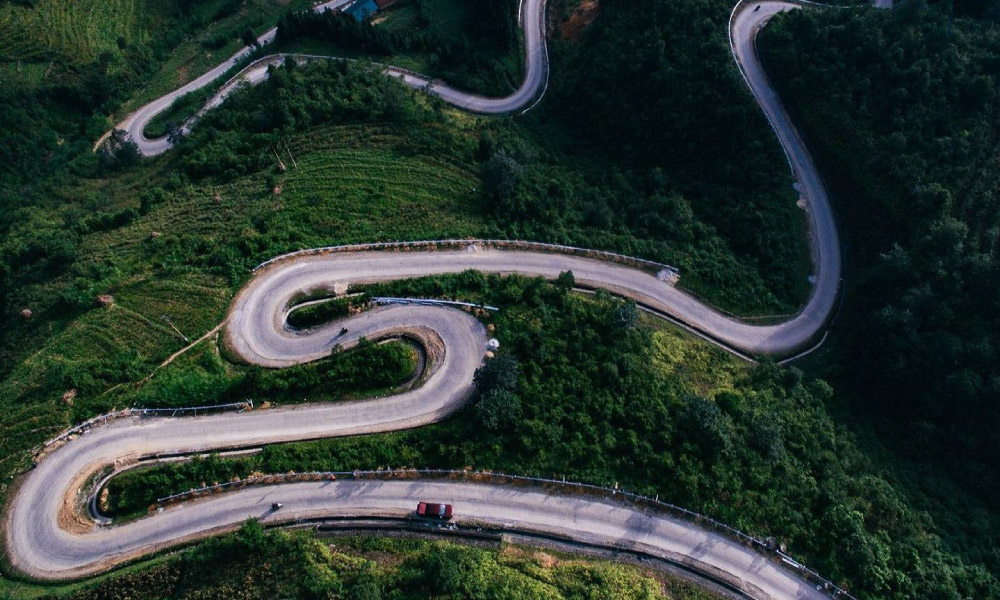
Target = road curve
(47,539)
(536,77)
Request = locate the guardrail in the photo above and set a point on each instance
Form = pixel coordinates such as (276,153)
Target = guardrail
(764,546)
(473,244)
(384,300)
(142,412)
(92,422)
(194,410)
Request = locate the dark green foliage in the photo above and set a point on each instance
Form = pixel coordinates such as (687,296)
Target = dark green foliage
(470,55)
(248,38)
(909,119)
(706,428)
(255,563)
(498,409)
(500,373)
(119,151)
(238,140)
(320,313)
(654,85)
(501,174)
(907,127)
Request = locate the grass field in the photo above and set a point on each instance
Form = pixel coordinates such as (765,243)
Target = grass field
(346,184)
(129,338)
(72,32)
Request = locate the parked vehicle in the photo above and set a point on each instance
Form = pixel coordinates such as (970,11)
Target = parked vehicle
(435,511)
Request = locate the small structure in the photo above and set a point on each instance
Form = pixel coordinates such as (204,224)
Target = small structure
(105,300)
(670,275)
(362,9)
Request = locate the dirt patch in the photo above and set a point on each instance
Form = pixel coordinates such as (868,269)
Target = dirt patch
(583,15)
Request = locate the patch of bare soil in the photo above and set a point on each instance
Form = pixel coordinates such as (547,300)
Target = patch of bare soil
(582,16)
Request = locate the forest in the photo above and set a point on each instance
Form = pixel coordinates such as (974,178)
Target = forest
(469,53)
(911,140)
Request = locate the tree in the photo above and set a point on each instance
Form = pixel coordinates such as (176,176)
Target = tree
(627,316)
(119,151)
(501,175)
(706,427)
(566,281)
(498,409)
(249,39)
(501,373)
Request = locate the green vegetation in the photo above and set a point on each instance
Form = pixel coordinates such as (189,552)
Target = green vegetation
(654,84)
(592,393)
(255,563)
(648,144)
(204,379)
(180,110)
(318,312)
(472,44)
(908,130)
(72,32)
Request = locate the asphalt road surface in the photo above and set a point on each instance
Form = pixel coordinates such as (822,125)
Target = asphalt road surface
(47,538)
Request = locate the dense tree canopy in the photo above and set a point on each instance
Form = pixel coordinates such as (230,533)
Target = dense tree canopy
(908,115)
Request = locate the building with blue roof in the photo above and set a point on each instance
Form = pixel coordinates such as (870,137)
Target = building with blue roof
(362,9)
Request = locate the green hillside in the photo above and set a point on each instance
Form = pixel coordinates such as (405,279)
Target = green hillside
(73,32)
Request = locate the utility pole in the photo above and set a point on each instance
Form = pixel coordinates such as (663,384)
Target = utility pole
(295,164)
(174,327)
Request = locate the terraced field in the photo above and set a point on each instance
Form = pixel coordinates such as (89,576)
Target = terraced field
(372,193)
(73,32)
(346,184)
(129,338)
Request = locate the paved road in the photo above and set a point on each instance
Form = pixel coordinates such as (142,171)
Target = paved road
(46,541)
(256,328)
(536,77)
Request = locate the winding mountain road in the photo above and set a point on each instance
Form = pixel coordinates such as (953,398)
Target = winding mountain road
(48,537)
(535,80)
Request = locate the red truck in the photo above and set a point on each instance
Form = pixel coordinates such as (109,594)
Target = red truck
(435,511)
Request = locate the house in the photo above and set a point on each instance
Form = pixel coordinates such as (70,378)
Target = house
(362,9)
